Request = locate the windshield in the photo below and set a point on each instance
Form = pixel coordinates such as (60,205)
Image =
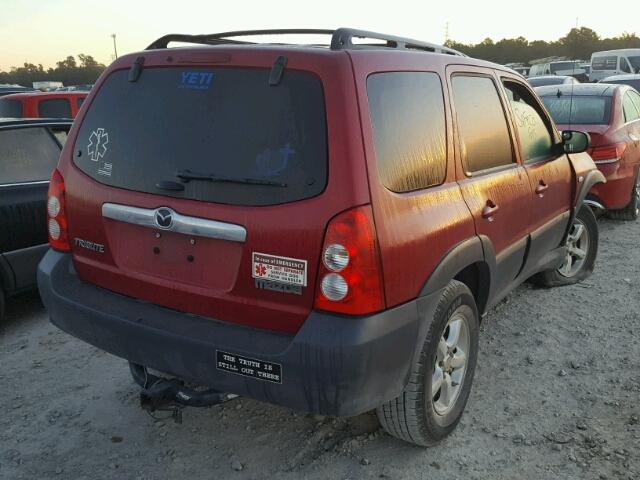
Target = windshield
(635,83)
(543,81)
(222,122)
(557,66)
(581,110)
(635,63)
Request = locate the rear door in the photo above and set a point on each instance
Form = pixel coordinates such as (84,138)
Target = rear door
(547,167)
(28,156)
(494,185)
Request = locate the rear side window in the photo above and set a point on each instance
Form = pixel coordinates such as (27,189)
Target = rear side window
(483,133)
(54,108)
(10,108)
(579,109)
(28,155)
(407,115)
(604,63)
(629,108)
(250,143)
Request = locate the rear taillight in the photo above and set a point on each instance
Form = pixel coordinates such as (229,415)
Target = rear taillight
(56,214)
(608,153)
(350,275)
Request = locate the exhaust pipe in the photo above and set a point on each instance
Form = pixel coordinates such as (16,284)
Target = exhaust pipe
(159,393)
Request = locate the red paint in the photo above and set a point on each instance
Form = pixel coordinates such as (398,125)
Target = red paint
(31,100)
(408,234)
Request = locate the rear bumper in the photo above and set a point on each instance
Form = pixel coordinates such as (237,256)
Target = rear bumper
(334,365)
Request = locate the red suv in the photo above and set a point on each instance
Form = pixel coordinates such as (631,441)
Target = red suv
(611,116)
(319,228)
(42,104)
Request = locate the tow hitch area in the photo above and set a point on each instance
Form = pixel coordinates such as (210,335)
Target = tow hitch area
(162,394)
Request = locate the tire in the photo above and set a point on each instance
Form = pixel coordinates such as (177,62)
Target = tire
(632,210)
(568,274)
(419,417)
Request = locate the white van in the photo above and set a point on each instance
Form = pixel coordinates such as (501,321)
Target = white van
(614,62)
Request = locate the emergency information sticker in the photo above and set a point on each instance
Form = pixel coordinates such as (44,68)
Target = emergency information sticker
(248,367)
(291,271)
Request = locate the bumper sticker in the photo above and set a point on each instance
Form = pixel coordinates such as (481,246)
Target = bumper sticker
(248,367)
(291,271)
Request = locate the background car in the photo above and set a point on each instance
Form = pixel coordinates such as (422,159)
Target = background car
(611,115)
(29,151)
(42,104)
(631,79)
(7,89)
(542,80)
(614,62)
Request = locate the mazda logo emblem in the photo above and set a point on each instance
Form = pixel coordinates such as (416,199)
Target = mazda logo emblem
(163,218)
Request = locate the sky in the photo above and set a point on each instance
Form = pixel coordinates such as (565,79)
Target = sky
(45,31)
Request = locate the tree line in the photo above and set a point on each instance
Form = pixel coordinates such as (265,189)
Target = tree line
(84,70)
(578,44)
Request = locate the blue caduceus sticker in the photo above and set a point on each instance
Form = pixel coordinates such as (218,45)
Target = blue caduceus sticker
(195,80)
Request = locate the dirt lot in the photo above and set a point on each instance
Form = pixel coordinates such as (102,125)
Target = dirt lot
(556,396)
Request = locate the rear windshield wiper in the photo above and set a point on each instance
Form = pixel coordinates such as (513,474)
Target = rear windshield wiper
(188,175)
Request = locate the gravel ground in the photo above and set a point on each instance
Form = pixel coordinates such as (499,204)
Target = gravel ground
(556,396)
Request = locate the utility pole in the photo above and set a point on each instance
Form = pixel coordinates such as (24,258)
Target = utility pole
(446,32)
(115,50)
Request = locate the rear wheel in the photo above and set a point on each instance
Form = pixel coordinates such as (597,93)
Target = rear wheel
(580,258)
(632,210)
(431,405)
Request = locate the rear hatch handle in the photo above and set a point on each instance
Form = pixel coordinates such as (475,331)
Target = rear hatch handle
(165,218)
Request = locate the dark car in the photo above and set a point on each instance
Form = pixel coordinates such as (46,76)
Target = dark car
(29,152)
(631,79)
(611,115)
(7,89)
(543,80)
(301,225)
(42,104)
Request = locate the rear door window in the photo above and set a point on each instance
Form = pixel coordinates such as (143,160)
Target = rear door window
(407,115)
(484,136)
(27,155)
(248,142)
(54,108)
(10,108)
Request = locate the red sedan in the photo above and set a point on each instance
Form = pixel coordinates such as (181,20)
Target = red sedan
(611,115)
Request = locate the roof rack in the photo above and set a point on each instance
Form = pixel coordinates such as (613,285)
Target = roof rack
(341,39)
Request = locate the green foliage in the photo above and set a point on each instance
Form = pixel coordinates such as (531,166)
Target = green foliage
(67,71)
(579,43)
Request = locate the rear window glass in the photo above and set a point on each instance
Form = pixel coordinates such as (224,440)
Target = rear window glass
(80,101)
(634,83)
(585,110)
(604,63)
(544,81)
(407,114)
(28,155)
(10,108)
(55,108)
(260,144)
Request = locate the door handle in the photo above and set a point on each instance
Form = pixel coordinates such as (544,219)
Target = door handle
(490,210)
(541,188)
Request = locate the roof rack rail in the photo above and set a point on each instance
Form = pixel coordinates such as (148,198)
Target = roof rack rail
(341,39)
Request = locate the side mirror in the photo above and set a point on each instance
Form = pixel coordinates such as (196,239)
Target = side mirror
(575,142)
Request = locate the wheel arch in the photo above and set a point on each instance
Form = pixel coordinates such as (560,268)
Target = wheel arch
(471,262)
